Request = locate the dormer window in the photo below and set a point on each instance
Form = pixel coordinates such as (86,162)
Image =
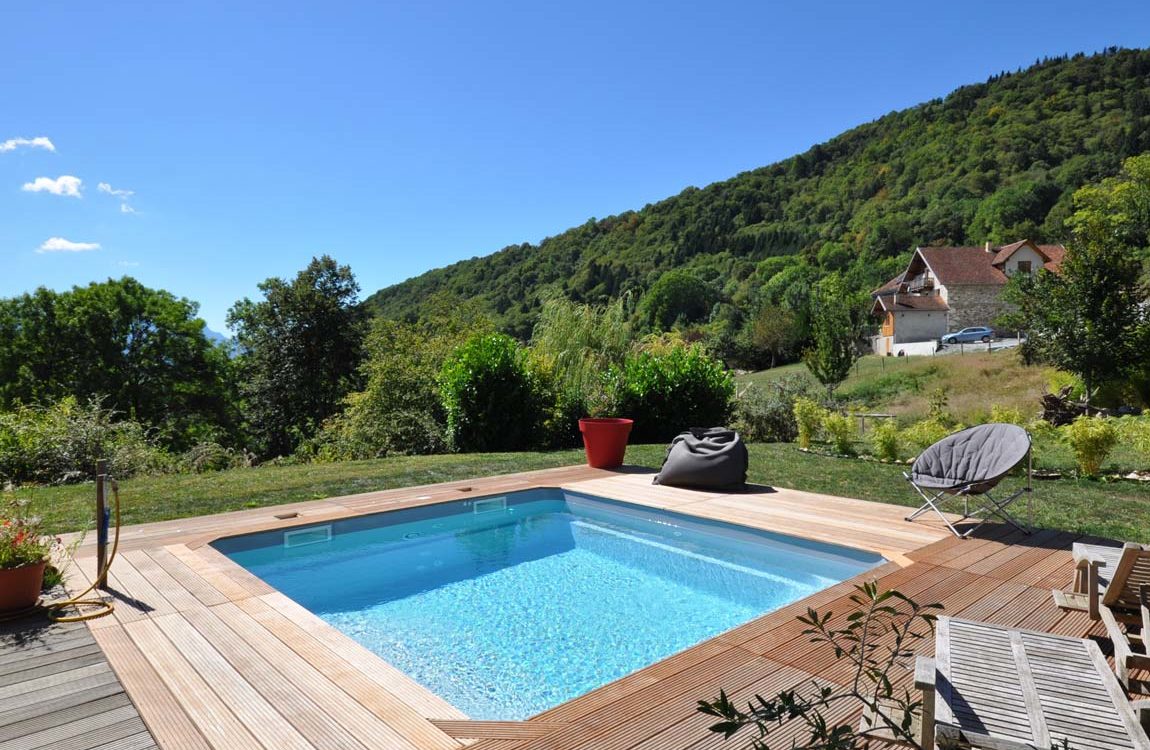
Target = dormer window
(1024,266)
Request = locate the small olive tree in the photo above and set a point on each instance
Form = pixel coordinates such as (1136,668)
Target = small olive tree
(877,638)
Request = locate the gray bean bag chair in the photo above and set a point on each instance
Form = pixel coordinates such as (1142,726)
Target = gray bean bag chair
(705,458)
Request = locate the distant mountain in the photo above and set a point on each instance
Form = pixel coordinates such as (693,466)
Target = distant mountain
(992,161)
(215,336)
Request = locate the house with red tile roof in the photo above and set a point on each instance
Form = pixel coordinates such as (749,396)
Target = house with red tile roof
(948,288)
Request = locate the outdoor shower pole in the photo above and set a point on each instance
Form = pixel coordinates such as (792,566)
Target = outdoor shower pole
(101,523)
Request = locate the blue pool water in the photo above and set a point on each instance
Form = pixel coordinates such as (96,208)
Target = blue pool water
(508,606)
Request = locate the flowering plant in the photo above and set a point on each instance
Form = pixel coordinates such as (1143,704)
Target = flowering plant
(21,539)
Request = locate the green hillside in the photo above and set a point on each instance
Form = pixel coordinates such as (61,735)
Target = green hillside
(992,161)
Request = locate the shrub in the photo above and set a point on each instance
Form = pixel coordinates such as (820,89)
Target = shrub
(399,410)
(492,399)
(809,420)
(840,431)
(1058,379)
(1135,432)
(926,433)
(1091,439)
(767,414)
(671,391)
(1008,415)
(886,441)
(61,443)
(1043,436)
(210,456)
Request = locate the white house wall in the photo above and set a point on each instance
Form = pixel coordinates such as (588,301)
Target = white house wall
(1024,254)
(918,325)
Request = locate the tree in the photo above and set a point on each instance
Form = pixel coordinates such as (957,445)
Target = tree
(1088,318)
(141,351)
(775,330)
(833,334)
(300,349)
(875,639)
(678,296)
(399,409)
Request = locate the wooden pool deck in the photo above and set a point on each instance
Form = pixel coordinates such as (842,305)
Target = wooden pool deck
(212,657)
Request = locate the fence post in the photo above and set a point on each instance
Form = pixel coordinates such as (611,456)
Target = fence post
(101,523)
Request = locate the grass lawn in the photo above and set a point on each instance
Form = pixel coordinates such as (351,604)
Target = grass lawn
(902,385)
(1118,510)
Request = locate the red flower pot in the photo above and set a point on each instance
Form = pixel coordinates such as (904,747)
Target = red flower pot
(20,587)
(605,440)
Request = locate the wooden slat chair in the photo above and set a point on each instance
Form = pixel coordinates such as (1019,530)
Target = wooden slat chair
(1110,577)
(1001,689)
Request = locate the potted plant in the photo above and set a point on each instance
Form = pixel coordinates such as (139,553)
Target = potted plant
(24,554)
(604,438)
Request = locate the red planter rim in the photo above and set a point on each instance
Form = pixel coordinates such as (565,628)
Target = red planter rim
(605,420)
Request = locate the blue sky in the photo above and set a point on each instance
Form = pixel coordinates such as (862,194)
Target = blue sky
(400,137)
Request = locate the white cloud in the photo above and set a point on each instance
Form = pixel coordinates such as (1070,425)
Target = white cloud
(120,193)
(14,143)
(127,263)
(63,185)
(61,245)
(104,187)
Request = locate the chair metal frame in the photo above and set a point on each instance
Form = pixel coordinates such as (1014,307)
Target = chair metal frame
(991,506)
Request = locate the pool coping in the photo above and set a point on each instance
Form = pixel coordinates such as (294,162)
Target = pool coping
(178,629)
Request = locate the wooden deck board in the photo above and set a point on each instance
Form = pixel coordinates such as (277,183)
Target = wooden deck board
(58,690)
(215,658)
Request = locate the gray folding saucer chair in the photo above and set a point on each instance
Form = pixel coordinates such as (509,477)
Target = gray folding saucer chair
(968,464)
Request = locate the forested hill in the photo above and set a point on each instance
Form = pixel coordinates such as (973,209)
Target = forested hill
(992,161)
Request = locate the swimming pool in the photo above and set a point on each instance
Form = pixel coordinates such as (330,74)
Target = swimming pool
(509,605)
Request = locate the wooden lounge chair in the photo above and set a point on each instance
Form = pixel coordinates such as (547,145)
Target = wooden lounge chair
(1113,585)
(1109,577)
(1001,689)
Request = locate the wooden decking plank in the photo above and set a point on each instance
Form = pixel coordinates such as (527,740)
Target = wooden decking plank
(220,563)
(179,598)
(51,706)
(201,567)
(312,682)
(500,730)
(259,716)
(21,659)
(346,670)
(210,714)
(308,718)
(138,741)
(185,577)
(61,714)
(694,724)
(157,705)
(30,671)
(82,733)
(385,675)
(142,593)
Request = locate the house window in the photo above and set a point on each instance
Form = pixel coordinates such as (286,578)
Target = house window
(1024,266)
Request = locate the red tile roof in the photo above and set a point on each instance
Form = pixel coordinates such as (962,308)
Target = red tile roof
(889,287)
(1006,251)
(1054,256)
(962,265)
